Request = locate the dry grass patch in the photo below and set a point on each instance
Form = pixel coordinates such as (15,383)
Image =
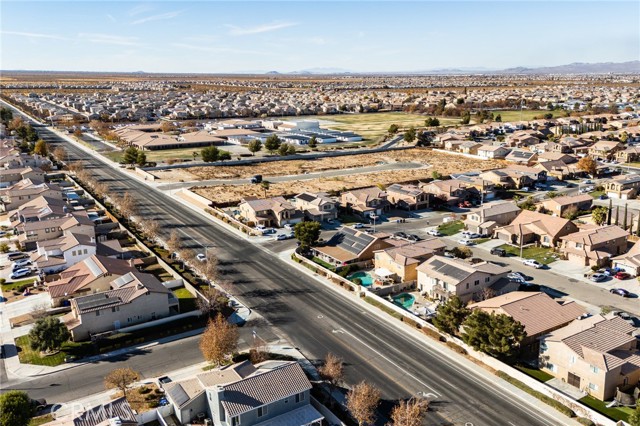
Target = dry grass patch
(143,398)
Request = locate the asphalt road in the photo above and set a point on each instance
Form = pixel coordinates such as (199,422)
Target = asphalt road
(314,318)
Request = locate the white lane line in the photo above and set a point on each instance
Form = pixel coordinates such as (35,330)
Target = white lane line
(392,363)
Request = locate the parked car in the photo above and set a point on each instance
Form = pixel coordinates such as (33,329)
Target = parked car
(587,182)
(622,276)
(596,278)
(256,179)
(281,237)
(400,235)
(473,235)
(413,237)
(201,257)
(288,226)
(609,271)
(21,264)
(523,276)
(525,189)
(465,242)
(498,252)
(516,278)
(358,225)
(15,255)
(39,404)
(620,292)
(533,263)
(603,197)
(268,231)
(20,273)
(434,232)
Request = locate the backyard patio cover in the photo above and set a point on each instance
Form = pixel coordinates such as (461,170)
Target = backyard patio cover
(383,272)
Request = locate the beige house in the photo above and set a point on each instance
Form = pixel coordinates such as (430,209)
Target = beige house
(407,197)
(133,298)
(493,151)
(597,355)
(558,206)
(536,311)
(441,277)
(592,247)
(522,156)
(624,187)
(318,207)
(450,191)
(630,261)
(533,227)
(30,233)
(605,149)
(349,245)
(366,201)
(401,262)
(485,219)
(274,211)
(60,253)
(25,191)
(628,155)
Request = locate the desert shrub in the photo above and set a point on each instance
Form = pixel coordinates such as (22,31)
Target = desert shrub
(457,348)
(585,421)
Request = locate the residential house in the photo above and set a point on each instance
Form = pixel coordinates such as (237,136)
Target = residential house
(132,299)
(605,149)
(522,139)
(493,152)
(558,170)
(267,394)
(400,262)
(536,311)
(630,261)
(469,147)
(441,277)
(10,177)
(407,197)
(596,355)
(365,202)
(25,191)
(39,209)
(558,206)
(62,252)
(451,191)
(93,274)
(29,233)
(484,220)
(522,156)
(515,176)
(533,227)
(349,245)
(630,154)
(624,187)
(117,412)
(557,156)
(318,207)
(274,211)
(594,246)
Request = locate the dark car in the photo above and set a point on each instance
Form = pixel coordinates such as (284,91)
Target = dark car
(256,179)
(498,251)
(39,404)
(413,237)
(620,292)
(400,235)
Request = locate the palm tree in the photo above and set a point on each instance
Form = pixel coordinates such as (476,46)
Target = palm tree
(265,185)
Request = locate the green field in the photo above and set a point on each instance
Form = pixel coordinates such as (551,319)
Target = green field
(526,115)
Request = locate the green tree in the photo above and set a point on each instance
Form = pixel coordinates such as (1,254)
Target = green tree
(436,175)
(291,150)
(599,215)
(284,149)
(634,418)
(224,156)
(609,212)
(424,139)
(15,408)
(265,184)
(307,233)
(313,142)
(130,155)
(41,148)
(497,335)
(210,154)
(393,129)
(466,118)
(48,334)
(254,146)
(431,122)
(624,218)
(272,143)
(410,135)
(450,315)
(462,252)
(617,215)
(6,115)
(499,118)
(552,194)
(141,158)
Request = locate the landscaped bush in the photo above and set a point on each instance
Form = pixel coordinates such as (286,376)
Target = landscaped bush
(433,334)
(586,422)
(539,395)
(457,348)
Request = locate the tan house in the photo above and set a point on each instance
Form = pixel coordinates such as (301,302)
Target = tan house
(92,275)
(29,233)
(352,246)
(25,191)
(536,311)
(469,147)
(407,197)
(274,211)
(624,187)
(484,220)
(533,227)
(558,170)
(10,177)
(366,201)
(400,262)
(441,277)
(605,149)
(558,206)
(318,207)
(593,247)
(493,151)
(450,191)
(628,155)
(630,261)
(597,355)
(522,156)
(133,298)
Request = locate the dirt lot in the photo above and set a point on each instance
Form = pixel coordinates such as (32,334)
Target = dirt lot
(443,163)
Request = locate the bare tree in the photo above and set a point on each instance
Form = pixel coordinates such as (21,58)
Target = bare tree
(76,166)
(362,402)
(60,154)
(128,207)
(212,301)
(219,340)
(174,243)
(258,352)
(101,189)
(151,228)
(187,256)
(39,310)
(332,371)
(486,293)
(409,413)
(122,379)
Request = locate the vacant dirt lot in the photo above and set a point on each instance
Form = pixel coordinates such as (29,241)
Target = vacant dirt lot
(443,163)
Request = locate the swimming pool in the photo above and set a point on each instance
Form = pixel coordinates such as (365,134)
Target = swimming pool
(365,278)
(405,300)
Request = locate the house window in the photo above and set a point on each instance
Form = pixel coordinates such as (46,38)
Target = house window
(73,253)
(579,245)
(467,286)
(262,411)
(552,367)
(572,359)
(594,369)
(593,387)
(235,421)
(286,400)
(85,251)
(97,313)
(476,282)
(46,230)
(300,397)
(487,279)
(546,239)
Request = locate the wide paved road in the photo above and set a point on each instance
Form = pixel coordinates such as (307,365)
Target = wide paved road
(315,319)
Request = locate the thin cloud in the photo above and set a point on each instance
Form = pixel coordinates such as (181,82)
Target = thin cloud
(212,49)
(111,18)
(34,35)
(159,17)
(137,10)
(265,28)
(109,39)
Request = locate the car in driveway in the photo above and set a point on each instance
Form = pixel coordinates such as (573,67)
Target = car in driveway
(413,237)
(521,275)
(400,235)
(622,275)
(516,278)
(465,242)
(496,251)
(533,263)
(357,225)
(23,272)
(610,272)
(288,226)
(21,264)
(597,278)
(620,292)
(434,233)
(15,255)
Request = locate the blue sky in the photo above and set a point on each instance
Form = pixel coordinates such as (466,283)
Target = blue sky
(359,36)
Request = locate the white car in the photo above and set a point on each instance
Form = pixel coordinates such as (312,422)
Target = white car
(21,263)
(358,225)
(288,226)
(20,273)
(516,278)
(465,242)
(434,232)
(201,257)
(533,263)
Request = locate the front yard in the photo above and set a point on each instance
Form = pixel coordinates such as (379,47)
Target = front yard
(29,356)
(543,255)
(451,228)
(539,375)
(615,413)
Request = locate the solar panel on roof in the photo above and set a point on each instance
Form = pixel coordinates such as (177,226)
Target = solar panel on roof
(123,280)
(96,301)
(178,395)
(93,267)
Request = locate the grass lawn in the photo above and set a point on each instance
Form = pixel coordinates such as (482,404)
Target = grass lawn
(451,228)
(29,356)
(514,114)
(186,300)
(615,413)
(535,373)
(323,263)
(481,240)
(596,194)
(40,420)
(348,219)
(16,284)
(160,155)
(541,254)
